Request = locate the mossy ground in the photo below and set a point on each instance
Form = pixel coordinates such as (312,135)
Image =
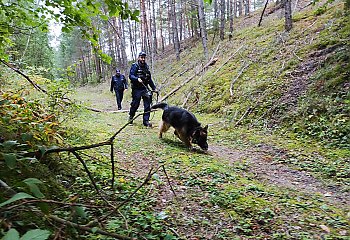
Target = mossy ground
(217,195)
(229,192)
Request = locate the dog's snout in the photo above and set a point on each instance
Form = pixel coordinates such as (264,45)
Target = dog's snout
(204,147)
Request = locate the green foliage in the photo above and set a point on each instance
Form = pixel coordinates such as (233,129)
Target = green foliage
(26,120)
(31,52)
(36,234)
(27,14)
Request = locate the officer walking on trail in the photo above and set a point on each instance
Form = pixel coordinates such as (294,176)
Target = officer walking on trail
(140,78)
(119,84)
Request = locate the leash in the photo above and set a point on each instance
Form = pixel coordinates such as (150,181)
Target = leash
(150,94)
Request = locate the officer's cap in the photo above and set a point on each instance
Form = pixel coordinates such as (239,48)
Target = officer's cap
(142,53)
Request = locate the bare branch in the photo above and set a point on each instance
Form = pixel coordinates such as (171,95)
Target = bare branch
(36,86)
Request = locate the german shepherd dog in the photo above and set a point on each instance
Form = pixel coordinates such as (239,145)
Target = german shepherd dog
(187,127)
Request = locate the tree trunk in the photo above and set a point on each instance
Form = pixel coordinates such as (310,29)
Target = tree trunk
(85,75)
(181,21)
(240,7)
(175,30)
(170,29)
(246,7)
(215,5)
(131,41)
(98,68)
(154,29)
(222,20)
(143,25)
(194,21)
(203,27)
(288,14)
(124,57)
(162,40)
(110,46)
(231,19)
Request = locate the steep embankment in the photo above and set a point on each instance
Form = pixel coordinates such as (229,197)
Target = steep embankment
(266,77)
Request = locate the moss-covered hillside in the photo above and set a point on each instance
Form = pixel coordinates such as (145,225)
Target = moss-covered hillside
(264,76)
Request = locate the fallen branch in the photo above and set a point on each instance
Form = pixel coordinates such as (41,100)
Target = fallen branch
(239,74)
(228,59)
(103,111)
(262,13)
(51,202)
(36,86)
(149,175)
(211,62)
(186,99)
(171,187)
(243,116)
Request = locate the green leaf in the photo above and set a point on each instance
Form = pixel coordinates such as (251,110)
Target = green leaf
(9,144)
(27,136)
(94,229)
(32,181)
(104,17)
(12,234)
(16,197)
(44,207)
(36,234)
(80,211)
(10,160)
(32,184)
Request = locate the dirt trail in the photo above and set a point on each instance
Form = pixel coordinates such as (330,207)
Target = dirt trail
(261,164)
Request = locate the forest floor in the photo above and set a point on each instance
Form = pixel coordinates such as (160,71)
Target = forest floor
(251,184)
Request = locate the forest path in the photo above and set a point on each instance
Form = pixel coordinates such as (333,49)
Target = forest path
(264,161)
(261,163)
(244,184)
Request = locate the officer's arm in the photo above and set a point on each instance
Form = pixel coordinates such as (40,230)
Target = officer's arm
(152,85)
(132,75)
(112,85)
(125,82)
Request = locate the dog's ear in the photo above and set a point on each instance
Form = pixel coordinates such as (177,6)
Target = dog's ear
(205,128)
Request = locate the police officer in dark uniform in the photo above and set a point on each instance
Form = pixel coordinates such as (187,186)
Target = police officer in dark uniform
(140,78)
(119,84)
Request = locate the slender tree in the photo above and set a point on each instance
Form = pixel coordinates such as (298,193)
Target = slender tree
(162,39)
(203,27)
(175,30)
(288,14)
(222,19)
(231,18)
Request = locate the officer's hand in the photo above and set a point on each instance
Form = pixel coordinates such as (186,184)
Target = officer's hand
(140,80)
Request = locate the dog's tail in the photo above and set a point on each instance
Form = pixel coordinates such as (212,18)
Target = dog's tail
(160,105)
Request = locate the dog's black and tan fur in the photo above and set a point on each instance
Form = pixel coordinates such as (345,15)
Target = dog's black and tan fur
(187,127)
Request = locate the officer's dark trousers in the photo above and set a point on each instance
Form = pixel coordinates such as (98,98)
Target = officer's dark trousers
(119,97)
(135,103)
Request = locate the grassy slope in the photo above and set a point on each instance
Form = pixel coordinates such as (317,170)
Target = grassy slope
(297,80)
(218,196)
